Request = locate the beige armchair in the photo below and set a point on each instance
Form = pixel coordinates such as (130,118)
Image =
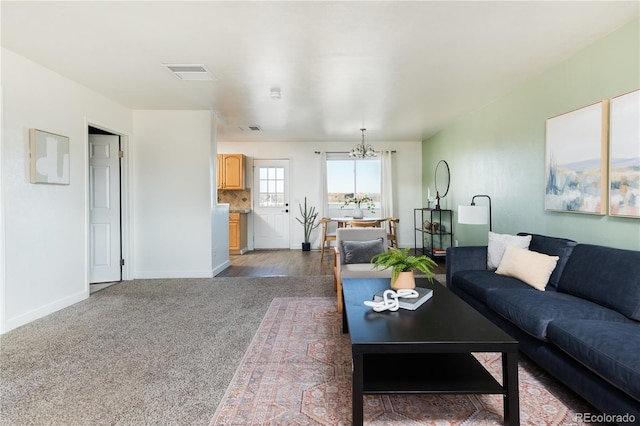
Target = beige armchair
(352,255)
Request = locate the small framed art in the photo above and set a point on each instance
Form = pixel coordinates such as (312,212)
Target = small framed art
(49,157)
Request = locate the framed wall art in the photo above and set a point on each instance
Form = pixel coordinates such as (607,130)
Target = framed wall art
(624,156)
(576,160)
(49,157)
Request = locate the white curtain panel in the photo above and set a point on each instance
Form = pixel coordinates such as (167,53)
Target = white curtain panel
(323,184)
(387,184)
(323,196)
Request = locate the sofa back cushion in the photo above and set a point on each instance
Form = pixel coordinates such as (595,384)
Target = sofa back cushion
(604,275)
(552,246)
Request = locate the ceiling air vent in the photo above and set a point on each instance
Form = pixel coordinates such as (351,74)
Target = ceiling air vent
(197,72)
(250,128)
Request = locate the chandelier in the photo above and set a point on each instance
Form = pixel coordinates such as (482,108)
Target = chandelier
(362,150)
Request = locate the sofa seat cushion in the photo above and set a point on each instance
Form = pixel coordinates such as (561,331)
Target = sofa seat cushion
(480,283)
(363,270)
(610,349)
(532,310)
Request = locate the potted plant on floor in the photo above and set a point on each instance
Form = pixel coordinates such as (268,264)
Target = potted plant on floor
(308,221)
(403,265)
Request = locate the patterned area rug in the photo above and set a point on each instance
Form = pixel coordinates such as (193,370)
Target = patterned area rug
(297,370)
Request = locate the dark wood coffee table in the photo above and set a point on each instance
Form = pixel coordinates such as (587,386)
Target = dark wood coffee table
(428,350)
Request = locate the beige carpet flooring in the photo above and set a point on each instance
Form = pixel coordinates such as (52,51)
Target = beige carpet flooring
(144,352)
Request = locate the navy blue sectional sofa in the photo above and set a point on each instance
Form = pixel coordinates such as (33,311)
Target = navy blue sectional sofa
(584,329)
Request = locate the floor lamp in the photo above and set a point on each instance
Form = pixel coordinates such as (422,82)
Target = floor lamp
(475,215)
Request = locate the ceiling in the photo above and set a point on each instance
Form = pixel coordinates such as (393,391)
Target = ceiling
(401,69)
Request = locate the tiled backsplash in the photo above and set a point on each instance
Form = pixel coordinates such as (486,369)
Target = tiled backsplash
(237,200)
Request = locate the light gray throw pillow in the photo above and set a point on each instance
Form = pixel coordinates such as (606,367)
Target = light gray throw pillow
(498,244)
(361,251)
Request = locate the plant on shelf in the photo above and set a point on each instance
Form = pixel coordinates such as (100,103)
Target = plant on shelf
(308,221)
(403,265)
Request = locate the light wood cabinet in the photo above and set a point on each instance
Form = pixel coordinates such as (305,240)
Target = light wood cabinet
(237,233)
(231,171)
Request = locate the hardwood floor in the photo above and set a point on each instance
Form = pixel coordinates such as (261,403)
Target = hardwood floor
(273,263)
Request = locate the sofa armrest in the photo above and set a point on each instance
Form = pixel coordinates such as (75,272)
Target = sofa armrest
(467,258)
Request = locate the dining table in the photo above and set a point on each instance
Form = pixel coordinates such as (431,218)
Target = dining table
(344,221)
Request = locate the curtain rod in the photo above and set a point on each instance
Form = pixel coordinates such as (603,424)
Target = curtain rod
(333,152)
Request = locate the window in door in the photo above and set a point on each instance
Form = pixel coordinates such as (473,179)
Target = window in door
(348,178)
(271,187)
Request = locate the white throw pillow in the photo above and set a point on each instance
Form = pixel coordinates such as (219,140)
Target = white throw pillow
(499,242)
(529,266)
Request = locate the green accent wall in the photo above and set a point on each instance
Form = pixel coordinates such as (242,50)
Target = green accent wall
(499,149)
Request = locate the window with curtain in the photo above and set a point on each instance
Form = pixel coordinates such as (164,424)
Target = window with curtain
(348,178)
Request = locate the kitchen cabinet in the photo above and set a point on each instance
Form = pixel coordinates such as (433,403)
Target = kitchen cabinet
(237,233)
(231,171)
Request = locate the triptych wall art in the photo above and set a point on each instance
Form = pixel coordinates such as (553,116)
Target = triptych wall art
(592,160)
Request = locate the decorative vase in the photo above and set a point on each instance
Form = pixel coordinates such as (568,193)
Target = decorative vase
(357,213)
(405,280)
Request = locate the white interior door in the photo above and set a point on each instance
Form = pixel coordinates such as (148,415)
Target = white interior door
(271,204)
(104,200)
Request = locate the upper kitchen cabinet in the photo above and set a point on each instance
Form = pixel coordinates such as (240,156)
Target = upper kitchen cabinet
(231,171)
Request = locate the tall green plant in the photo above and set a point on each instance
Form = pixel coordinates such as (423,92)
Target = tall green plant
(308,221)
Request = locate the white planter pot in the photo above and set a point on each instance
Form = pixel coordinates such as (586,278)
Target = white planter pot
(357,213)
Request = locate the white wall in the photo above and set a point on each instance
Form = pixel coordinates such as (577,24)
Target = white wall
(305,178)
(46,226)
(219,213)
(172,194)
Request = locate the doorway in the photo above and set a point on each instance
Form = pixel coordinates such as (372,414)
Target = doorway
(271,210)
(105,213)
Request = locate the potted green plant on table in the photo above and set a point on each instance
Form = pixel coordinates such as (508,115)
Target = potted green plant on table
(358,200)
(403,265)
(308,221)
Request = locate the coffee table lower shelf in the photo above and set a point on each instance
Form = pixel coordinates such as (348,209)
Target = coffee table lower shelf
(453,373)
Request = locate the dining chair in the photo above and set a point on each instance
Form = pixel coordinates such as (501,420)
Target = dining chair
(392,235)
(327,236)
(364,224)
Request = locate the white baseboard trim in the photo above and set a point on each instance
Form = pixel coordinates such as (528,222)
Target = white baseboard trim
(45,310)
(221,267)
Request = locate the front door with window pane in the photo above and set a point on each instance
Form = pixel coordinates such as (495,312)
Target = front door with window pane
(271,204)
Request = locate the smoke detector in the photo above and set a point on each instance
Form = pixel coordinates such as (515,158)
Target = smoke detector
(196,72)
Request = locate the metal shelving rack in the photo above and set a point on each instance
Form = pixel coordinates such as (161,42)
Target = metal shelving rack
(433,243)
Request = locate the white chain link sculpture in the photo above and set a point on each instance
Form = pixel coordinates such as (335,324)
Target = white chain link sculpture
(390,300)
